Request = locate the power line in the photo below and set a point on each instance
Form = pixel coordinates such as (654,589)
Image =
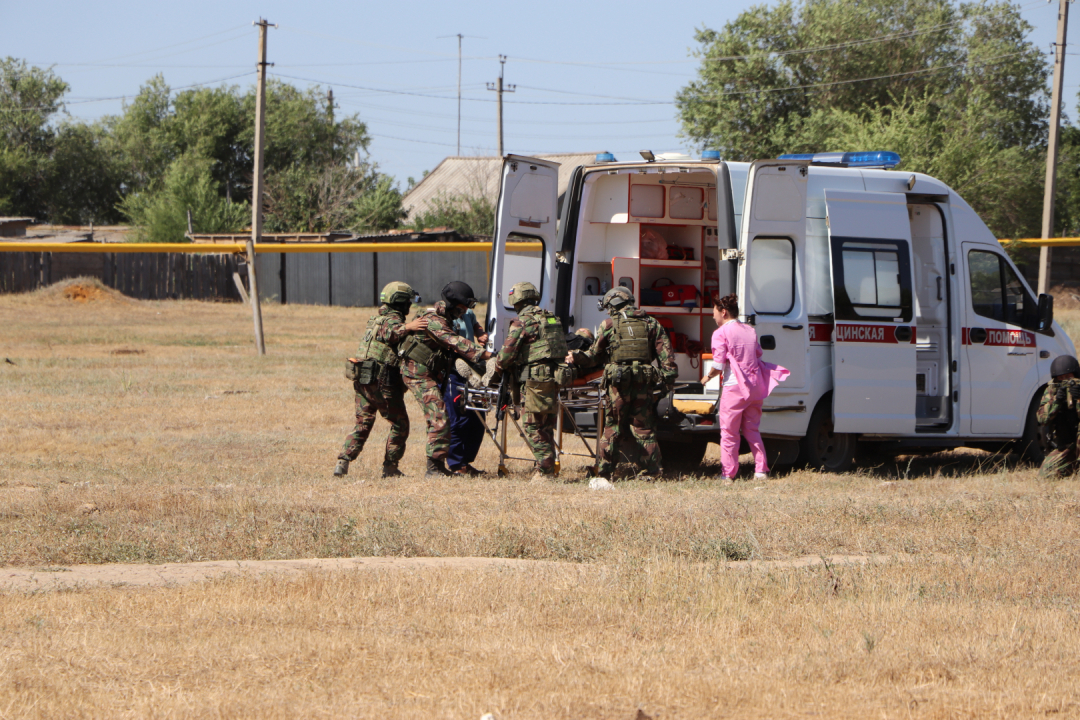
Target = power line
(822,48)
(865,79)
(973,63)
(169,47)
(153,67)
(84,101)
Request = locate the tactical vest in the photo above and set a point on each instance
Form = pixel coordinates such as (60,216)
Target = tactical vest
(630,340)
(549,347)
(422,350)
(372,348)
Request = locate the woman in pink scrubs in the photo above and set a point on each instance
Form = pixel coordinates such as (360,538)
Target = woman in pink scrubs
(747,382)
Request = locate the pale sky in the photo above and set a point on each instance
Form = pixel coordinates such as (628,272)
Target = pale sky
(590,76)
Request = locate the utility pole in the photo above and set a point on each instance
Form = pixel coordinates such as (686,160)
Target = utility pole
(257,187)
(1052,146)
(459,37)
(498,87)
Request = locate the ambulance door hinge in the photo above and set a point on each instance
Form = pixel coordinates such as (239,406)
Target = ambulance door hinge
(956,396)
(952,268)
(954,366)
(732,254)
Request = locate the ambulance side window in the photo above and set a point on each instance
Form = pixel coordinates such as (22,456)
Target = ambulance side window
(771,279)
(522,265)
(871,279)
(997,293)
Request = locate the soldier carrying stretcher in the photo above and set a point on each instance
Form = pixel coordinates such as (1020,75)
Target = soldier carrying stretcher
(628,343)
(425,360)
(534,348)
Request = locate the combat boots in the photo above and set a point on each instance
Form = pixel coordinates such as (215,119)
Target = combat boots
(342,468)
(436,468)
(390,470)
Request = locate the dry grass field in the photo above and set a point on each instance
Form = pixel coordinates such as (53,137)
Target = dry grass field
(150,432)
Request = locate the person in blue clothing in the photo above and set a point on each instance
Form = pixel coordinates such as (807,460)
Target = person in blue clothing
(466,428)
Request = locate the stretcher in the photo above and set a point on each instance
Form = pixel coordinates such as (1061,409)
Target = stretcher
(585,397)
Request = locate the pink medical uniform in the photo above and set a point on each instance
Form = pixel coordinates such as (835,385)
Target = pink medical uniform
(747,382)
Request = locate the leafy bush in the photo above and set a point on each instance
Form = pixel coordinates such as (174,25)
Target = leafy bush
(161,215)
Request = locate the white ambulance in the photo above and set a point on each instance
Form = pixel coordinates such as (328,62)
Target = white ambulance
(904,324)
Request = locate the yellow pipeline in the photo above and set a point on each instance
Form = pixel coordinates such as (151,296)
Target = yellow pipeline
(118,247)
(230,248)
(238,248)
(1050,242)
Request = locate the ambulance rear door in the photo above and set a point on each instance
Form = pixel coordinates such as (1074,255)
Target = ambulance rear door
(874,368)
(770,286)
(524,248)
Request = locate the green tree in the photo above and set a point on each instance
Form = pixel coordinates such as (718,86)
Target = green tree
(29,98)
(312,198)
(312,179)
(774,66)
(961,147)
(379,207)
(468,214)
(83,179)
(188,185)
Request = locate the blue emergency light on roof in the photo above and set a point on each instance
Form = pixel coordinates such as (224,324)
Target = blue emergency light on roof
(605,157)
(878,158)
(710,154)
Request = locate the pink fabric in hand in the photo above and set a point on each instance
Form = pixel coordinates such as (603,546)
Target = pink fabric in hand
(736,344)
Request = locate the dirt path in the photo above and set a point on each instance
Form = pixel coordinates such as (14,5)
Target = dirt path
(133,575)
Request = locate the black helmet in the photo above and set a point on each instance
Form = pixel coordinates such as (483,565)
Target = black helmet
(459,293)
(1064,364)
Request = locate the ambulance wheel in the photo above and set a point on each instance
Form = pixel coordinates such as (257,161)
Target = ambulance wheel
(823,449)
(682,457)
(1030,444)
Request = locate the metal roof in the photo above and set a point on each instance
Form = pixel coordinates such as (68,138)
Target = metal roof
(471,176)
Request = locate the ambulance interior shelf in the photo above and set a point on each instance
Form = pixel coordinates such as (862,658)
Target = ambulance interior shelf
(650,228)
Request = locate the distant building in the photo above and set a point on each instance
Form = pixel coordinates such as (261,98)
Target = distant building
(14,226)
(473,176)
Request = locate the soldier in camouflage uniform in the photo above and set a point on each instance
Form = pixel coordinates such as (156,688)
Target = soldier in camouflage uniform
(534,348)
(628,342)
(377,382)
(1059,417)
(426,355)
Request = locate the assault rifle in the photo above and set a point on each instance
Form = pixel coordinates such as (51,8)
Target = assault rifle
(1061,431)
(506,396)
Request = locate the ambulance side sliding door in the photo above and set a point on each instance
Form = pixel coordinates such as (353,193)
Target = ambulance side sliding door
(874,347)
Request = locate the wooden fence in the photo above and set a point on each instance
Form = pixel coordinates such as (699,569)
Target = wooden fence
(147,276)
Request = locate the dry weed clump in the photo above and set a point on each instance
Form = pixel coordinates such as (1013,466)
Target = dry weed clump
(674,639)
(151,432)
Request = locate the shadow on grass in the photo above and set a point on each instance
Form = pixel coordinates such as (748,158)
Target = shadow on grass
(948,463)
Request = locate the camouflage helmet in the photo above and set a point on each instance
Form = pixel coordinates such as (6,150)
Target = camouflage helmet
(398,293)
(617,298)
(524,292)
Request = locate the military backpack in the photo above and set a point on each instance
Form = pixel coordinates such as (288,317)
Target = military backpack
(544,354)
(630,340)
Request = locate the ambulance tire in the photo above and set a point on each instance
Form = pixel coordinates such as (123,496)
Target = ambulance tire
(1029,446)
(823,449)
(683,457)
